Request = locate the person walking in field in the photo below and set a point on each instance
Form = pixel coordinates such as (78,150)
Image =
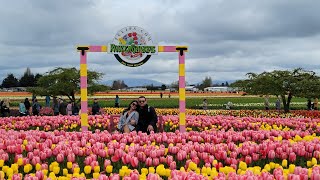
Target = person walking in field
(278,104)
(22,109)
(205,104)
(266,102)
(117,101)
(95,107)
(315,103)
(36,107)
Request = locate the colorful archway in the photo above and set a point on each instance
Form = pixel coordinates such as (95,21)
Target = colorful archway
(104,48)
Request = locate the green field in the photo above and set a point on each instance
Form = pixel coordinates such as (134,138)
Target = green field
(213,103)
(242,102)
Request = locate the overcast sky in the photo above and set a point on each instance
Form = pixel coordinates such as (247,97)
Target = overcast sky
(226,38)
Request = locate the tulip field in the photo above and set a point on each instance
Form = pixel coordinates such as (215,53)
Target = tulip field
(218,144)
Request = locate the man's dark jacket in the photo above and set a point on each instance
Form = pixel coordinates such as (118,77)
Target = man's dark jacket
(147,116)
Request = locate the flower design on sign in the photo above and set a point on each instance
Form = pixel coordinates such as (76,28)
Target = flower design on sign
(132,46)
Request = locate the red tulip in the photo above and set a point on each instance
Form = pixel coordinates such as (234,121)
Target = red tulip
(115,158)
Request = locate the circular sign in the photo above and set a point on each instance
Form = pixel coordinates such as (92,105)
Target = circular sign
(132,46)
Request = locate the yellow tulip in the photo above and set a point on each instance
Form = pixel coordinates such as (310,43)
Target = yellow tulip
(151,170)
(20,161)
(144,170)
(9,172)
(76,170)
(291,168)
(77,175)
(96,175)
(309,172)
(167,172)
(272,165)
(267,167)
(243,165)
(314,161)
(15,167)
(121,172)
(56,170)
(87,169)
(192,166)
(284,163)
(127,172)
(69,165)
(51,174)
(25,142)
(26,168)
(109,169)
(309,163)
(142,176)
(214,172)
(38,167)
(160,170)
(65,171)
(96,169)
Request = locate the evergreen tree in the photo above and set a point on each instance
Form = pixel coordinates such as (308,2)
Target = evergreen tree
(28,79)
(10,81)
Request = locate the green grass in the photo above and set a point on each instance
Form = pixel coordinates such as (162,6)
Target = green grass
(195,102)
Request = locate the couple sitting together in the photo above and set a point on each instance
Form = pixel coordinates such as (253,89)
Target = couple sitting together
(138,117)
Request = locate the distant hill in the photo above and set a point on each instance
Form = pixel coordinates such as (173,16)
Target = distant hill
(131,82)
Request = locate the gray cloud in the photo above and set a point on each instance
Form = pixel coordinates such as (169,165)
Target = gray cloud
(227,39)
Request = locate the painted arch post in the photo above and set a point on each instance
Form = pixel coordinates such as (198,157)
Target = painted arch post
(84,80)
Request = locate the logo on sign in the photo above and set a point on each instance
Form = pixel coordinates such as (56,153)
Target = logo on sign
(132,46)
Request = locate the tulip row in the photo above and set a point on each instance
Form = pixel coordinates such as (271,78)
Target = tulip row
(237,113)
(169,122)
(206,153)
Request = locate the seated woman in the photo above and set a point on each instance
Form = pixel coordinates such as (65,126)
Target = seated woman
(129,118)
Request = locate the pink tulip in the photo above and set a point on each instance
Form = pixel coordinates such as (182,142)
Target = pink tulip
(60,158)
(103,177)
(271,154)
(134,162)
(71,157)
(292,157)
(155,162)
(149,161)
(114,177)
(248,159)
(39,175)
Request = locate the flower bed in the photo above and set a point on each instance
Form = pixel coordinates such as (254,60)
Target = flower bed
(170,123)
(202,155)
(220,147)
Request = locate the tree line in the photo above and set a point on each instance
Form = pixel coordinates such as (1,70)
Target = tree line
(28,79)
(285,84)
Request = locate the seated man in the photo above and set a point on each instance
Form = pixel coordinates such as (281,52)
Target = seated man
(147,117)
